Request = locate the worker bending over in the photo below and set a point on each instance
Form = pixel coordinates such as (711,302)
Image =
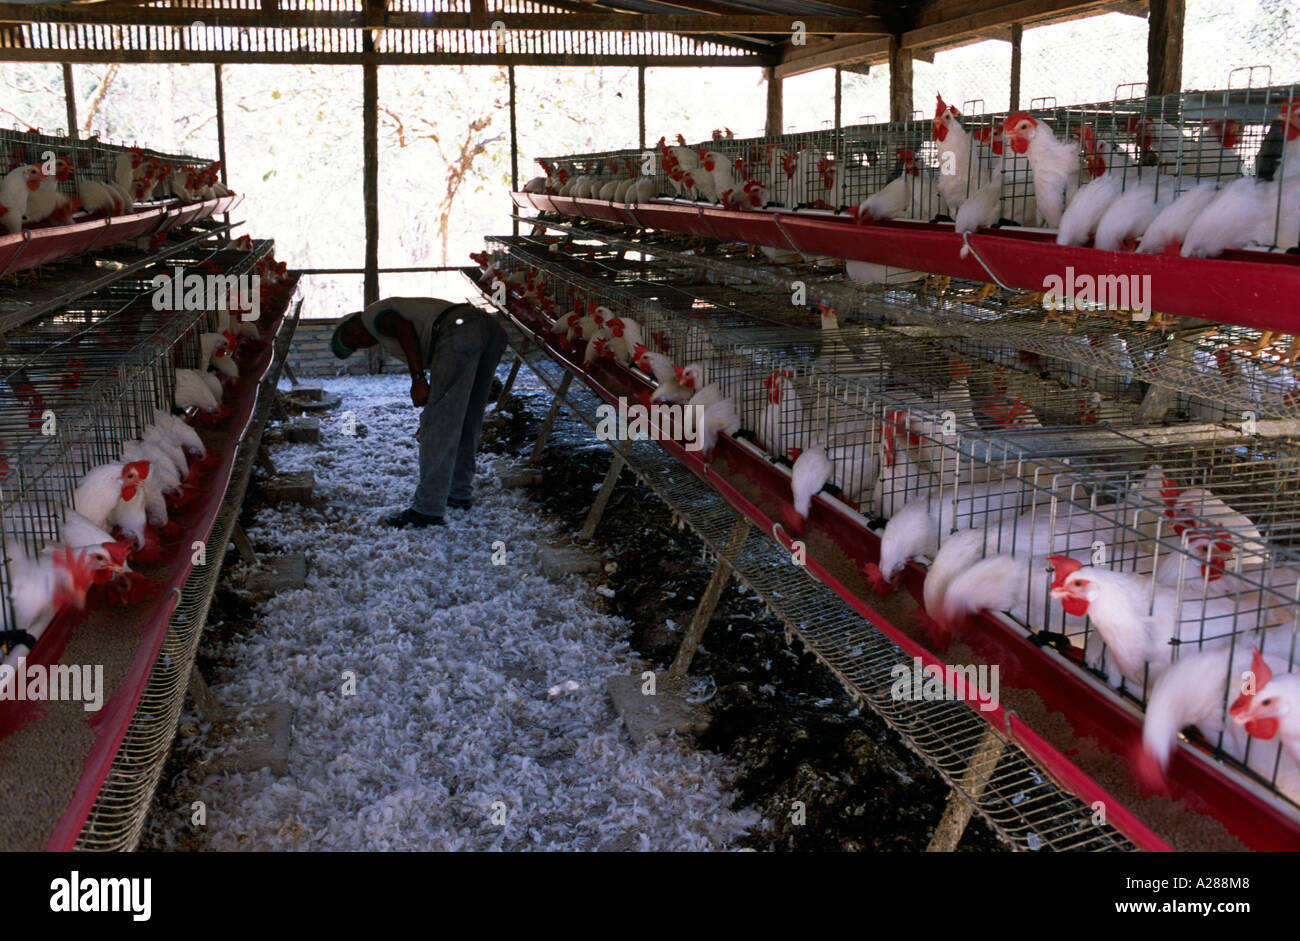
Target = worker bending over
(460,347)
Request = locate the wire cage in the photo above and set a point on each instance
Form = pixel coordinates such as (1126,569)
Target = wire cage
(68,162)
(1166,144)
(80,383)
(1000,462)
(1211,372)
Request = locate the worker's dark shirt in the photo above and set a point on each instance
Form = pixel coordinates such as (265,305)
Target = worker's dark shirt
(421,312)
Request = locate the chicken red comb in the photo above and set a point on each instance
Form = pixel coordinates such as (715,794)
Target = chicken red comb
(905,155)
(1240,710)
(1016,118)
(982,134)
(119,550)
(940,107)
(889,444)
(1064,567)
(140,468)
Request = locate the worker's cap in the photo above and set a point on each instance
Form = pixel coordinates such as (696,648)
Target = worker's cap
(341,349)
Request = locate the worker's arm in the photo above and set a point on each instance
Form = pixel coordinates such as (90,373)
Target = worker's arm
(391,323)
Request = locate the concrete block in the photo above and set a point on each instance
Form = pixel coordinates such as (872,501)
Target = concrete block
(297,487)
(302,430)
(279,574)
(655,715)
(525,477)
(321,405)
(263,733)
(567,561)
(308,390)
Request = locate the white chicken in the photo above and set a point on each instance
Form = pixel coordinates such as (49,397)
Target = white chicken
(1169,228)
(920,527)
(961,174)
(1141,624)
(1207,689)
(46,202)
(782,426)
(40,588)
(1087,206)
(181,431)
(193,391)
(912,193)
(811,471)
(1129,215)
(1054,163)
(718,170)
(15,189)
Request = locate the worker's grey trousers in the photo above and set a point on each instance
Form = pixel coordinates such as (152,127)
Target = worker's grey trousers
(465,356)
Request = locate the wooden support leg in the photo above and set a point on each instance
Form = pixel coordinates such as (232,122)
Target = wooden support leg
(203,698)
(958,812)
(264,459)
(709,601)
(545,432)
(243,544)
(602,498)
(288,371)
(510,383)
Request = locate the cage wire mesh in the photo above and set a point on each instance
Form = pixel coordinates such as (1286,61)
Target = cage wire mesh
(1020,803)
(81,383)
(117,819)
(1166,144)
(1103,362)
(939,422)
(71,164)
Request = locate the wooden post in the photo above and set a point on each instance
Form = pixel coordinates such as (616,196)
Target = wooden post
(1017,31)
(514,143)
(640,104)
(773,101)
(510,382)
(949,830)
(549,421)
(221,127)
(1165,47)
(839,100)
(602,498)
(70,100)
(370,172)
(900,81)
(709,600)
(243,544)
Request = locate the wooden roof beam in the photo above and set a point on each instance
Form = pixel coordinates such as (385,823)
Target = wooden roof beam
(686,23)
(825,53)
(940,23)
(182,56)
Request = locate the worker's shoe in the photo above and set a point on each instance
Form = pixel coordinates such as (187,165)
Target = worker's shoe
(460,504)
(413,518)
